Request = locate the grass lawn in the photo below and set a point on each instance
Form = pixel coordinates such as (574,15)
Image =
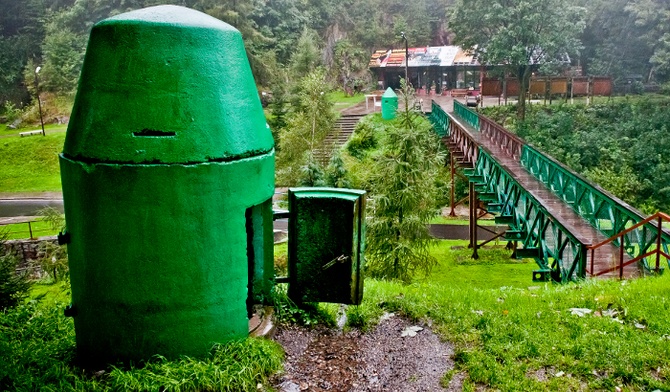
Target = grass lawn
(48,128)
(342,101)
(447,220)
(512,334)
(20,230)
(509,333)
(30,164)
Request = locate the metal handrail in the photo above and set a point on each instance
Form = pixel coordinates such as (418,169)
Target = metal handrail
(439,119)
(470,117)
(461,138)
(543,220)
(509,142)
(660,217)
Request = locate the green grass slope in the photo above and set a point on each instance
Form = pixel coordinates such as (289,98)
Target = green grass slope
(30,164)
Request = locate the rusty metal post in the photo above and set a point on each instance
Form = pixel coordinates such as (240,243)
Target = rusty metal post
(473,220)
(658,244)
(621,252)
(471,188)
(452,192)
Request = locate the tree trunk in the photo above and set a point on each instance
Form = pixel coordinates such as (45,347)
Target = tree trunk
(396,261)
(523,74)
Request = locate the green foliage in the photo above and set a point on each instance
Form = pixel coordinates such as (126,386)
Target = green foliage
(311,173)
(307,314)
(365,137)
(53,261)
(306,127)
(653,19)
(235,366)
(13,285)
(63,55)
(511,334)
(11,112)
(351,66)
(37,350)
(403,198)
(336,172)
(306,57)
(518,33)
(620,145)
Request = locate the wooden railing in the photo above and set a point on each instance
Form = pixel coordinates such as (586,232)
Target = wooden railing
(509,142)
(651,244)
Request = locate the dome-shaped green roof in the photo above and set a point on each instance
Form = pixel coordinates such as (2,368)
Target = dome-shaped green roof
(166,84)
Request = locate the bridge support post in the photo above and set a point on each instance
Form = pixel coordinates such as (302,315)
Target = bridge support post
(452,192)
(473,220)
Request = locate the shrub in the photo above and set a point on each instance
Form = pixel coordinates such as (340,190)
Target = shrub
(13,285)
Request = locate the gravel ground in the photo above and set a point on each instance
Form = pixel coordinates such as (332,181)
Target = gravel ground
(380,360)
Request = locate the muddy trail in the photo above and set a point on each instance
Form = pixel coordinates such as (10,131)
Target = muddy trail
(396,355)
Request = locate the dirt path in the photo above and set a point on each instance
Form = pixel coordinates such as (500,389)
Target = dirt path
(380,360)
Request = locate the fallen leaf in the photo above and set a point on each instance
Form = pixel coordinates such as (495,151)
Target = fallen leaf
(581,312)
(411,331)
(505,312)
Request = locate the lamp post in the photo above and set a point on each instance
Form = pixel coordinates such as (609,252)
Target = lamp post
(402,34)
(39,102)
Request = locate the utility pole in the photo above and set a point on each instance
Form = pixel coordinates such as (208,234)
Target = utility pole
(39,102)
(402,34)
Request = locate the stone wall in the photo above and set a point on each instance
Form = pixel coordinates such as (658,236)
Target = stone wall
(29,252)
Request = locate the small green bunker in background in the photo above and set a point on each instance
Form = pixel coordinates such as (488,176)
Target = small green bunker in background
(168,176)
(389,104)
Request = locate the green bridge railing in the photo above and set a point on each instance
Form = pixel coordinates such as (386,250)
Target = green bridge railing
(552,244)
(555,246)
(439,119)
(470,117)
(601,209)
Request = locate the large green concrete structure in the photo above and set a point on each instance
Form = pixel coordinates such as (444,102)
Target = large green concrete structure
(168,175)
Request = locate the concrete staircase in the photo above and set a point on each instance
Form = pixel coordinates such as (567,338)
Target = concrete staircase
(341,132)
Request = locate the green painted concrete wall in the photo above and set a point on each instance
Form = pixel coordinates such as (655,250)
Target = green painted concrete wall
(158,254)
(168,173)
(389,104)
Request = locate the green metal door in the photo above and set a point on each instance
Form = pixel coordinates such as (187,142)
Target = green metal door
(326,243)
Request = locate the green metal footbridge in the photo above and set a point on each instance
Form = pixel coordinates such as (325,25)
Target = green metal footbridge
(570,226)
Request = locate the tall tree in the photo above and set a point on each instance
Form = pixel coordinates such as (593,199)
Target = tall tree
(653,16)
(404,197)
(614,44)
(518,34)
(350,65)
(306,128)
